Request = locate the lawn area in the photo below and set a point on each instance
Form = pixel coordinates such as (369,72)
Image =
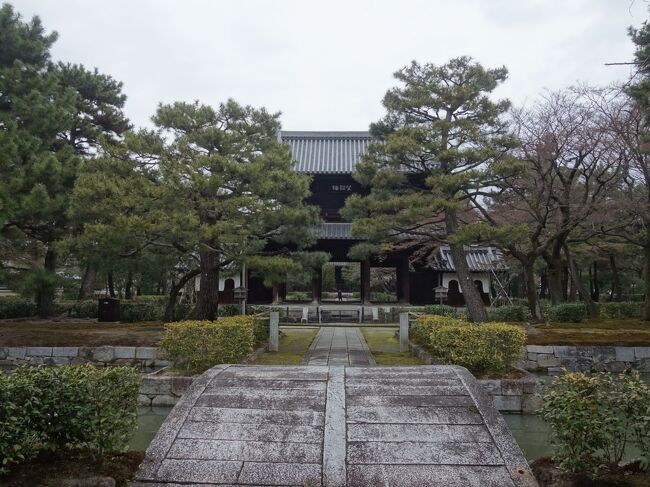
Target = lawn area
(384,345)
(598,332)
(294,342)
(77,333)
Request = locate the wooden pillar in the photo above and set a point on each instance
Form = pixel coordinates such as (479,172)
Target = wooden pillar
(365,281)
(276,293)
(403,280)
(317,286)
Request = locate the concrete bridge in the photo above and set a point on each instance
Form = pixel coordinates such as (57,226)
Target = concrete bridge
(334,425)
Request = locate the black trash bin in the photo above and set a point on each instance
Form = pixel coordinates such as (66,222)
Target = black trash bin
(108,310)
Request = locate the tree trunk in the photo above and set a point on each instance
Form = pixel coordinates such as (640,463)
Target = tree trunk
(573,292)
(111,284)
(646,276)
(174,290)
(592,309)
(87,289)
(531,291)
(616,280)
(47,286)
(565,282)
(554,263)
(207,303)
(275,289)
(128,287)
(473,300)
(595,290)
(543,288)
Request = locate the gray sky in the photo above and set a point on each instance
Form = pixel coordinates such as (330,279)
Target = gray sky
(326,64)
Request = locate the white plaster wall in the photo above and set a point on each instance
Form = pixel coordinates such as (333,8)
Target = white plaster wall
(222,280)
(484,277)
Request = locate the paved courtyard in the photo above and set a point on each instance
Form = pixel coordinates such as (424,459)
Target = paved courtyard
(334,426)
(339,346)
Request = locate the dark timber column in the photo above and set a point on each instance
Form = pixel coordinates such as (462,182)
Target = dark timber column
(283,292)
(403,281)
(365,281)
(276,293)
(317,285)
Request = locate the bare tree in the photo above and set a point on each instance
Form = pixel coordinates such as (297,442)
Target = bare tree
(559,178)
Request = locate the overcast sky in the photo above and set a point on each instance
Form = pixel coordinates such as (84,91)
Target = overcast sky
(326,64)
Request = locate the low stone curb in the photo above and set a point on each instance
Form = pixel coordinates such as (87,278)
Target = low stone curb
(101,356)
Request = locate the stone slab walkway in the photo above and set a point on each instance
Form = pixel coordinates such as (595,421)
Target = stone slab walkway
(334,426)
(339,346)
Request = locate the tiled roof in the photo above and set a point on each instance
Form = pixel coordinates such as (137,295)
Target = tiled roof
(326,152)
(336,231)
(478,258)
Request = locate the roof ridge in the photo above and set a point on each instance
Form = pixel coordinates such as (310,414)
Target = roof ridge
(316,134)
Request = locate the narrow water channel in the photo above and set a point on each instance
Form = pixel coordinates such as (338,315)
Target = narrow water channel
(149,421)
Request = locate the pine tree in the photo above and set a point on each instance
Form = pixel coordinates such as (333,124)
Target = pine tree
(50,116)
(440,130)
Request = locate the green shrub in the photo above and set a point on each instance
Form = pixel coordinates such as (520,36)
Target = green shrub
(159,299)
(444,310)
(298,296)
(641,430)
(420,331)
(67,407)
(511,313)
(490,348)
(620,310)
(198,345)
(229,309)
(18,439)
(593,417)
(566,313)
(133,311)
(16,307)
(84,309)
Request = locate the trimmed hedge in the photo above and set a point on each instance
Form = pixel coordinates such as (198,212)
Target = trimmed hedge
(66,407)
(614,310)
(16,307)
(511,313)
(196,346)
(445,310)
(488,348)
(566,313)
(421,329)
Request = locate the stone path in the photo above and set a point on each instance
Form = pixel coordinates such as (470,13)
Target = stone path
(334,426)
(339,346)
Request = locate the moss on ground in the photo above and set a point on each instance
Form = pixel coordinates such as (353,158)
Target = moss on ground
(596,332)
(78,333)
(293,345)
(384,345)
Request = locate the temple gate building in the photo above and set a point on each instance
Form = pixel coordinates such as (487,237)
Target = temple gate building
(330,159)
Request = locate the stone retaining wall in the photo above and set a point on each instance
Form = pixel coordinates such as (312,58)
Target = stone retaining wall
(162,390)
(553,358)
(514,395)
(101,356)
(508,395)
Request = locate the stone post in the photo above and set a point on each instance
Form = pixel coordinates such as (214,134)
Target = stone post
(403,332)
(274,331)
